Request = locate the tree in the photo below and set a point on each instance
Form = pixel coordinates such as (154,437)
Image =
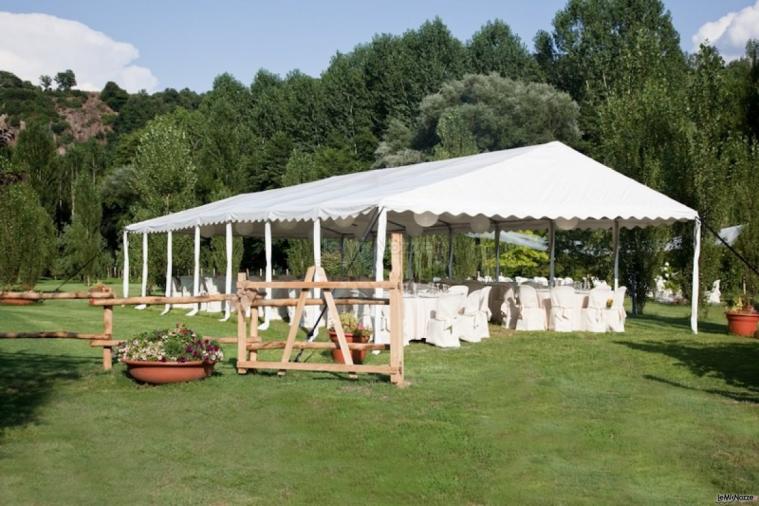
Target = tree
(165,174)
(46,82)
(65,80)
(641,127)
(498,112)
(35,155)
(114,96)
(164,181)
(26,232)
(83,244)
(495,48)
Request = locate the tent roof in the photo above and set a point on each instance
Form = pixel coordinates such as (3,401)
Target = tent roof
(520,188)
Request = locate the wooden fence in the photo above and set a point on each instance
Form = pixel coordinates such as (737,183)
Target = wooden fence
(104,340)
(247,300)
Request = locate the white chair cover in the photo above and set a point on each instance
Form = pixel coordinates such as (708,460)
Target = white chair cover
(213,285)
(462,289)
(440,327)
(464,325)
(532,315)
(594,316)
(509,310)
(566,310)
(481,328)
(616,315)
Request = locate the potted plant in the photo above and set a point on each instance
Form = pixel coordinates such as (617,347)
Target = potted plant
(170,356)
(742,317)
(354,333)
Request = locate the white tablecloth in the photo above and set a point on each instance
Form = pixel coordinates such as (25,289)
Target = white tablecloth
(417,311)
(545,297)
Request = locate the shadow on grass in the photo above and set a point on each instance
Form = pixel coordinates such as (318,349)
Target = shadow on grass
(735,364)
(26,381)
(680,323)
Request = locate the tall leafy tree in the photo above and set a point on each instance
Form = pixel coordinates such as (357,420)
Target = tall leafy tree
(26,231)
(83,244)
(495,48)
(164,181)
(35,155)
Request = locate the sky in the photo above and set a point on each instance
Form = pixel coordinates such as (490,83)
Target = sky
(152,45)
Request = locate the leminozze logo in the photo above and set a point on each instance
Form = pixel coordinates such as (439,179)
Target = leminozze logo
(730,498)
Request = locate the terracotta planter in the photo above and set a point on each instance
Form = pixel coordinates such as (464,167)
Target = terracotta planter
(158,373)
(17,302)
(358,356)
(742,324)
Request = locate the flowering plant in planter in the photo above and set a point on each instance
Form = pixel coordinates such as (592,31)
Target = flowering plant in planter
(177,345)
(354,333)
(350,325)
(742,317)
(169,356)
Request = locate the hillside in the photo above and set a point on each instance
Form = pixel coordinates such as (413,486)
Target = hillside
(73,115)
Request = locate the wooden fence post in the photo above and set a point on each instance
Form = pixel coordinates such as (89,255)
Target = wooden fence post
(396,308)
(108,333)
(241,330)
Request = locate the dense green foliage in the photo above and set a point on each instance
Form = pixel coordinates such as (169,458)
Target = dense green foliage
(608,78)
(27,234)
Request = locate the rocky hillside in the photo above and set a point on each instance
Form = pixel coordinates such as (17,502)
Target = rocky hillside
(73,115)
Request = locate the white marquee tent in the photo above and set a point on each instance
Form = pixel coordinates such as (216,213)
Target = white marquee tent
(543,187)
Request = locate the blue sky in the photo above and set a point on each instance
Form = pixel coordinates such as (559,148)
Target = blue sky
(185,44)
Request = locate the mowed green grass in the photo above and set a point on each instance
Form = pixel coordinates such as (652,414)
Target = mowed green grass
(652,416)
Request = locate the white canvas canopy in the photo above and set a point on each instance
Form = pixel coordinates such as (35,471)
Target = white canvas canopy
(547,186)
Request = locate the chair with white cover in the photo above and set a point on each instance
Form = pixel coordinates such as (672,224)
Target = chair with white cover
(509,310)
(484,314)
(594,316)
(213,286)
(532,315)
(566,310)
(616,315)
(458,289)
(464,325)
(440,328)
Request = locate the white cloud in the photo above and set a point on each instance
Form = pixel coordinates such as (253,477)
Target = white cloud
(730,32)
(36,44)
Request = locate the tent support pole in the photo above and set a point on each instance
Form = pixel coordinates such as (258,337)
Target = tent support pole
(169,273)
(615,233)
(379,273)
(228,273)
(497,236)
(342,254)
(317,240)
(267,252)
(144,287)
(125,274)
(450,252)
(694,288)
(410,258)
(196,271)
(552,241)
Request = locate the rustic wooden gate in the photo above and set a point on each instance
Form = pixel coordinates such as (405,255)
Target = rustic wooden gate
(250,298)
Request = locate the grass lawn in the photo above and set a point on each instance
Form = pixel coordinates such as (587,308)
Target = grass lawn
(652,416)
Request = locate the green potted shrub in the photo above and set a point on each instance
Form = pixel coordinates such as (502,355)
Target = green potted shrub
(742,317)
(354,333)
(170,356)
